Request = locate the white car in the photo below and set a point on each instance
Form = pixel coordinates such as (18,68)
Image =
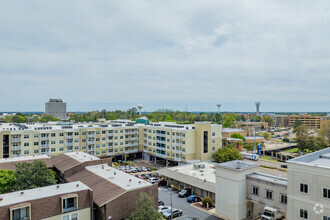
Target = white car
(144,169)
(163,209)
(153,180)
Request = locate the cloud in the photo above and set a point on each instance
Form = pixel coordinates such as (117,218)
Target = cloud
(191,52)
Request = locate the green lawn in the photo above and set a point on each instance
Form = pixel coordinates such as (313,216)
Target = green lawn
(293,150)
(262,157)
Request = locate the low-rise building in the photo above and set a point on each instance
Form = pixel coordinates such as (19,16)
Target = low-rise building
(312,122)
(10,163)
(114,192)
(69,201)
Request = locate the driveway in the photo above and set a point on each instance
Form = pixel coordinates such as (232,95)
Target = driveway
(181,203)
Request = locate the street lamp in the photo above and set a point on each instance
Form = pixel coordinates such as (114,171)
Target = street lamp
(257,112)
(171,201)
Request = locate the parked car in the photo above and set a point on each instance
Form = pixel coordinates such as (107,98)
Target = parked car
(184,193)
(134,170)
(139,176)
(160,203)
(139,169)
(144,169)
(128,170)
(193,198)
(163,209)
(175,213)
(284,166)
(153,180)
(149,169)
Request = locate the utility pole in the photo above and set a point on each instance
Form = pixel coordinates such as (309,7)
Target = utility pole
(171,202)
(257,112)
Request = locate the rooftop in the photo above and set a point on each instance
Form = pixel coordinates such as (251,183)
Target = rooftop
(320,159)
(22,159)
(39,193)
(124,180)
(269,178)
(205,170)
(238,165)
(232,130)
(81,156)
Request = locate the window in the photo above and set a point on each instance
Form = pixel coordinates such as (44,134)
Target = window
(35,135)
(326,193)
(26,152)
(83,147)
(97,139)
(213,148)
(183,134)
(97,152)
(53,142)
(121,137)
(61,134)
(83,133)
(326,218)
(283,199)
(76,140)
(213,133)
(303,214)
(97,146)
(183,142)
(83,140)
(61,149)
(303,188)
(76,133)
(76,147)
(103,132)
(53,149)
(206,138)
(255,190)
(20,213)
(52,134)
(36,143)
(73,216)
(69,204)
(61,141)
(213,141)
(97,132)
(26,136)
(36,151)
(269,194)
(26,144)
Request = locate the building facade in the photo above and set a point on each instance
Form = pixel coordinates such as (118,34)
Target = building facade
(122,138)
(280,120)
(56,108)
(312,122)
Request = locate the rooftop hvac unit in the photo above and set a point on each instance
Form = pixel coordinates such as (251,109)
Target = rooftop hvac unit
(196,166)
(202,166)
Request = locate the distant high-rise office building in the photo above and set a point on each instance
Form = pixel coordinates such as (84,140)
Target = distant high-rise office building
(56,108)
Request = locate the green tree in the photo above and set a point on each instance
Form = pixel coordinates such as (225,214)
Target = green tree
(248,147)
(7,181)
(239,136)
(226,154)
(301,131)
(33,175)
(266,135)
(145,209)
(47,118)
(19,118)
(325,131)
(297,123)
(229,121)
(268,119)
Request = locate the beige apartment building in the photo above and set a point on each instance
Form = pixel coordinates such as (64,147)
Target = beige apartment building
(120,138)
(312,122)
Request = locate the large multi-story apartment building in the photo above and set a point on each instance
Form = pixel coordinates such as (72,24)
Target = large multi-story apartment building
(313,122)
(168,141)
(56,108)
(280,120)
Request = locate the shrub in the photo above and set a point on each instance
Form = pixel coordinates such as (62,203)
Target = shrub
(154,168)
(207,200)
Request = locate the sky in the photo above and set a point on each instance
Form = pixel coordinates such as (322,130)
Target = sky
(187,54)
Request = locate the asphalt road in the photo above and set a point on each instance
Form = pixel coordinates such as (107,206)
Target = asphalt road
(181,203)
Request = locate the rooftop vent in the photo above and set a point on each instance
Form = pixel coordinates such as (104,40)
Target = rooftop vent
(77,185)
(1,198)
(58,186)
(22,193)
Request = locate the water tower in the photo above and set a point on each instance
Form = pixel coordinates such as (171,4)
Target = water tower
(140,108)
(218,105)
(257,107)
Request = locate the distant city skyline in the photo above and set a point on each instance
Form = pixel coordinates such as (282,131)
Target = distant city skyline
(165,54)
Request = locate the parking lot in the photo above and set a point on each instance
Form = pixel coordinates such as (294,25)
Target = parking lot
(181,203)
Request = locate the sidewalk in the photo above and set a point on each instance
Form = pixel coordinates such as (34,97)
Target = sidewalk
(210,211)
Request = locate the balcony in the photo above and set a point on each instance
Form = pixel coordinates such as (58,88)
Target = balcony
(160,155)
(68,144)
(110,153)
(90,135)
(44,138)
(15,155)
(177,144)
(44,145)
(16,148)
(161,135)
(131,139)
(109,134)
(177,136)
(90,149)
(145,150)
(178,151)
(68,151)
(69,137)
(145,138)
(161,141)
(44,153)
(15,140)
(110,147)
(110,140)
(91,142)
(131,151)
(131,132)
(131,145)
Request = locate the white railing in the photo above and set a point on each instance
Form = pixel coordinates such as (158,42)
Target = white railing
(90,149)
(177,159)
(68,143)
(91,142)
(44,138)
(44,145)
(90,135)
(16,148)
(44,153)
(109,134)
(161,135)
(160,155)
(69,137)
(15,140)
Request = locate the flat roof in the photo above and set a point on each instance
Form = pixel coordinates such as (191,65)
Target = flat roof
(269,178)
(24,158)
(81,156)
(319,158)
(42,192)
(119,178)
(232,130)
(238,165)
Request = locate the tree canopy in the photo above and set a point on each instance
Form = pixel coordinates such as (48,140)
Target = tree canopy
(309,143)
(145,209)
(7,181)
(226,154)
(239,136)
